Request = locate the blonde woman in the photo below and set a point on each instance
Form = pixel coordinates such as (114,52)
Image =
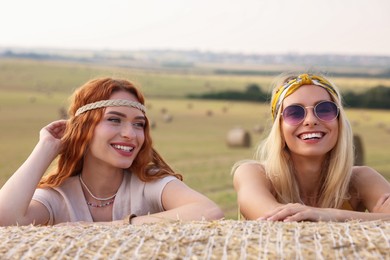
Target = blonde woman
(304,168)
(107,168)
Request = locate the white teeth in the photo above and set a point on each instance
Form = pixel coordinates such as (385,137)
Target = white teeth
(123,148)
(311,136)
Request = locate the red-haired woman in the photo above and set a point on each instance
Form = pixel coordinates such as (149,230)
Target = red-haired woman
(107,168)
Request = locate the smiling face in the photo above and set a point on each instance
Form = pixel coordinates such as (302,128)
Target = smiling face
(119,136)
(312,137)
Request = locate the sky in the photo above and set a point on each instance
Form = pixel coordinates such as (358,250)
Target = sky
(357,27)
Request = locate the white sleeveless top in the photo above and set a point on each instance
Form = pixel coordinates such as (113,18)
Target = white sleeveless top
(67,202)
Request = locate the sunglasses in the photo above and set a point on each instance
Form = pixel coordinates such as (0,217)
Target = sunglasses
(324,111)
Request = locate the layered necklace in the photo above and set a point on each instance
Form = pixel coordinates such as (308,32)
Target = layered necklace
(107,201)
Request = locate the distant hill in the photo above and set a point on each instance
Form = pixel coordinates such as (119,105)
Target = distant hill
(219,63)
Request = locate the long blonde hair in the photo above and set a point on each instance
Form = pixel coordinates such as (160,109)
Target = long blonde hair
(337,168)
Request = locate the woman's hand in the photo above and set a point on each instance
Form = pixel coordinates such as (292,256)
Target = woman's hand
(53,132)
(299,212)
(383,204)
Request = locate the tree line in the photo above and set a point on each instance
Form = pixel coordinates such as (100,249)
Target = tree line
(376,98)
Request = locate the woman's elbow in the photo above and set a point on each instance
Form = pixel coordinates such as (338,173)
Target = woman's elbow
(8,221)
(213,212)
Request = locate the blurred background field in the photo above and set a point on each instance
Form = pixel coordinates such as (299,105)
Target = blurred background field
(32,93)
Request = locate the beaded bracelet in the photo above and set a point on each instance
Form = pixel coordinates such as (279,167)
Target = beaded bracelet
(131,217)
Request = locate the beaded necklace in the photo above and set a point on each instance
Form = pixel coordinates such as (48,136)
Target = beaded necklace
(100,205)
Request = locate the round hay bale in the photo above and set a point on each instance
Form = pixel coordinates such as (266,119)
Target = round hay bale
(359,151)
(164,110)
(190,105)
(167,118)
(223,239)
(381,125)
(366,117)
(62,113)
(238,137)
(355,123)
(209,113)
(152,124)
(258,128)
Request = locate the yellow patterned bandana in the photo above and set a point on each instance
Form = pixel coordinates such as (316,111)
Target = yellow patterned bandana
(292,85)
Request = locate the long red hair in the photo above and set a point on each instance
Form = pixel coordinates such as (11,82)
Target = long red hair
(148,165)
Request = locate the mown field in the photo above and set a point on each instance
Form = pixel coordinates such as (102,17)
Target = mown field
(194,142)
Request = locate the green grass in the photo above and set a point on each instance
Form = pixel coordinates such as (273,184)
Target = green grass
(52,77)
(193,143)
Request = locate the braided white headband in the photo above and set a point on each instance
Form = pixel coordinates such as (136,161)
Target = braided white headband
(111,103)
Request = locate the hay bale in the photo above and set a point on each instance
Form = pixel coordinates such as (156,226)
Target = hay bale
(167,118)
(164,110)
(62,113)
(366,117)
(355,123)
(359,150)
(224,239)
(209,113)
(258,129)
(238,137)
(381,125)
(152,124)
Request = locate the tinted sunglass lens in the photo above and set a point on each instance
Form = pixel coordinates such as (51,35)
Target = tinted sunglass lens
(294,114)
(326,111)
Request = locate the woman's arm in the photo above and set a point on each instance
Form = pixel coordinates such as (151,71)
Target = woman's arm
(298,212)
(372,189)
(253,191)
(286,212)
(182,203)
(16,205)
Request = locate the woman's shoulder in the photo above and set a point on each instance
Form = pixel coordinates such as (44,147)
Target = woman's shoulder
(360,173)
(369,185)
(136,183)
(365,178)
(248,166)
(69,183)
(249,171)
